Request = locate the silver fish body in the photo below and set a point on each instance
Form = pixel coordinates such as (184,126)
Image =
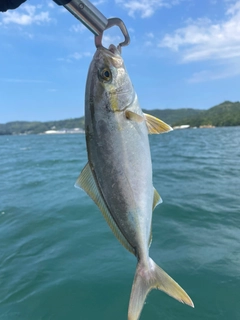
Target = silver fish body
(118,151)
(118,176)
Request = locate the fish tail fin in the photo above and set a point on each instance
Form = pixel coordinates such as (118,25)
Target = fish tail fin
(148,278)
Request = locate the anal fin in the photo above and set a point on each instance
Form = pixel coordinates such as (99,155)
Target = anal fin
(86,181)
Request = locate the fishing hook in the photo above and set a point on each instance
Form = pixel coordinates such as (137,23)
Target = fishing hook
(111,23)
(94,20)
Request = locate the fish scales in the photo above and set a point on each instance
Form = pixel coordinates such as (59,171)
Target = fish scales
(118,176)
(118,149)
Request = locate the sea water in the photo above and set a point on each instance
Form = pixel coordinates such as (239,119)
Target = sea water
(60,261)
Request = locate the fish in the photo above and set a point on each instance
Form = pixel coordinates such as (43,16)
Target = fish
(118,174)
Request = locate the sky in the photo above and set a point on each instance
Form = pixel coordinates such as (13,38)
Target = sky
(183,54)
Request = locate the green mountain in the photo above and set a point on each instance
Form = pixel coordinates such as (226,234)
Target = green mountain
(172,116)
(224,114)
(20,127)
(23,127)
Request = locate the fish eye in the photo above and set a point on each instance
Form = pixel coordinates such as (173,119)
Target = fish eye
(105,74)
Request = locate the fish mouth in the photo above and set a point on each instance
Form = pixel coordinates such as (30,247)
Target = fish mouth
(112,48)
(112,51)
(112,54)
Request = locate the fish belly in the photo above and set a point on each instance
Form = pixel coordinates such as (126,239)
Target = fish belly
(119,156)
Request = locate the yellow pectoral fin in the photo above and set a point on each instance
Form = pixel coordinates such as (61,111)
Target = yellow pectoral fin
(155,125)
(134,116)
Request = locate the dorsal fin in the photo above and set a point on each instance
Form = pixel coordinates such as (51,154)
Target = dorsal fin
(156,201)
(156,198)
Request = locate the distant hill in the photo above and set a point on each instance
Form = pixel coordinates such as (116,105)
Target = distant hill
(172,116)
(224,114)
(24,127)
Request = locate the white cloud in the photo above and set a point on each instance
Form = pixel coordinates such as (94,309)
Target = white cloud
(216,73)
(50,4)
(150,35)
(64,60)
(78,28)
(97,3)
(234,8)
(131,30)
(26,15)
(207,40)
(75,56)
(108,39)
(149,42)
(146,8)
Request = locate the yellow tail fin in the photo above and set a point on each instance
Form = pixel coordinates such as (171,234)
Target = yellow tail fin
(148,278)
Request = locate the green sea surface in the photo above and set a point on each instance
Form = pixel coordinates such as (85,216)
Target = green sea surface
(60,261)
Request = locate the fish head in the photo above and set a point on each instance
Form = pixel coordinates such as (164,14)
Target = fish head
(108,81)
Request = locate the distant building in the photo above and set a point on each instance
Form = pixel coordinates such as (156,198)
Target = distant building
(64,131)
(183,126)
(51,132)
(207,126)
